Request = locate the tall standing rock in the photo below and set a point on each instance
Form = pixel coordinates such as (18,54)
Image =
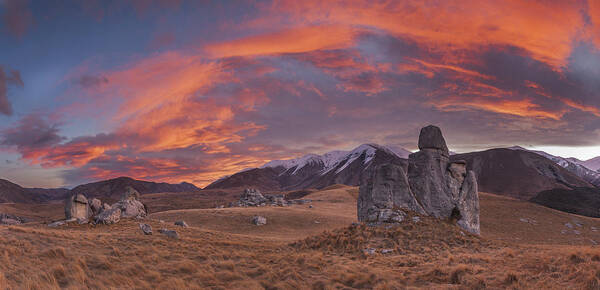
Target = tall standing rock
(77,207)
(384,192)
(431,185)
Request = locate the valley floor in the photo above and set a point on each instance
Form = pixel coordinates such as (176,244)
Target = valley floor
(522,246)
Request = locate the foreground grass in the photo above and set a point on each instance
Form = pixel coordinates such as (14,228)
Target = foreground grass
(432,254)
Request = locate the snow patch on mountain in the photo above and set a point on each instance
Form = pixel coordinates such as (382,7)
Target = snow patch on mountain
(573,165)
(335,159)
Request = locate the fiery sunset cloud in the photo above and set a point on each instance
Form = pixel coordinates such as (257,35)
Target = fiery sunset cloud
(195,90)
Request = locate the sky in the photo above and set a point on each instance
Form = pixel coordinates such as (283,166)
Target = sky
(194,90)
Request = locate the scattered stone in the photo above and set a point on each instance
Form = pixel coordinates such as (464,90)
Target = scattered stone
(108,217)
(310,206)
(594,229)
(146,229)
(593,242)
(369,251)
(169,233)
(429,184)
(57,224)
(76,207)
(528,220)
(564,232)
(259,220)
(569,225)
(317,222)
(416,219)
(182,224)
(82,221)
(9,219)
(576,232)
(387,251)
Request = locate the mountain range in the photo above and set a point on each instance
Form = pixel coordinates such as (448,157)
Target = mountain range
(107,190)
(566,184)
(314,171)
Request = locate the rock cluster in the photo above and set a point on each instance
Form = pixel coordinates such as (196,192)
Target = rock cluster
(430,184)
(79,208)
(253,197)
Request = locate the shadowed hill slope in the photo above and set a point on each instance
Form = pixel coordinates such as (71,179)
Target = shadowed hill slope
(112,189)
(517,173)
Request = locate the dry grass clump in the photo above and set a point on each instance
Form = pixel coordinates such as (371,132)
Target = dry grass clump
(409,237)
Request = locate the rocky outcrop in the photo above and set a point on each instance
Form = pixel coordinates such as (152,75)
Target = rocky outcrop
(253,197)
(76,207)
(130,205)
(431,185)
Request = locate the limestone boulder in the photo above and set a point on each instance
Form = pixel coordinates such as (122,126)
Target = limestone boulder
(77,207)
(182,224)
(429,185)
(169,233)
(384,190)
(259,220)
(109,217)
(431,137)
(95,206)
(146,229)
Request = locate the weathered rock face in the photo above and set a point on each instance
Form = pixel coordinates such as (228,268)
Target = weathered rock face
(431,185)
(109,217)
(95,206)
(431,138)
(384,189)
(76,207)
(130,205)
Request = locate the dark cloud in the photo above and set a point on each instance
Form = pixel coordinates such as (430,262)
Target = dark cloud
(31,132)
(17,17)
(90,81)
(12,78)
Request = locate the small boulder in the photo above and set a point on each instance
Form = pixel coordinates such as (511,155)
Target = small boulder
(259,220)
(169,233)
(146,229)
(57,224)
(182,224)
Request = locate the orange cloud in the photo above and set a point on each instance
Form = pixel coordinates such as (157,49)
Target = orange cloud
(522,108)
(545,29)
(294,40)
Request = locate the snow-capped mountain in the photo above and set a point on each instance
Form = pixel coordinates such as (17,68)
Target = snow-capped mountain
(573,165)
(593,164)
(315,171)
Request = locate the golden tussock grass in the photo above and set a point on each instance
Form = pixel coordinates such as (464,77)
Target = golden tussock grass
(222,250)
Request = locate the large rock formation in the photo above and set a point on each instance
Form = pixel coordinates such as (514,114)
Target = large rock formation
(76,207)
(431,184)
